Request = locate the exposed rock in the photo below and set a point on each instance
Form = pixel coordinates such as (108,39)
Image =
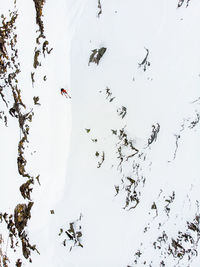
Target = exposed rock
(96,55)
(22,215)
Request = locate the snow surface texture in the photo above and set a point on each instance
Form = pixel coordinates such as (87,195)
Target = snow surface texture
(110,176)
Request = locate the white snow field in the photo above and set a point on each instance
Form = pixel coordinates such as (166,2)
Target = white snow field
(118,163)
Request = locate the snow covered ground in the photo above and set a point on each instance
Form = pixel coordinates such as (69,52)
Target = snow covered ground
(118,163)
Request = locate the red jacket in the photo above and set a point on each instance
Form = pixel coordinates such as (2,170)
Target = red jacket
(63,91)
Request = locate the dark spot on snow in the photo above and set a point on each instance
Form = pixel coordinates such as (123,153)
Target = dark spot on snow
(32,78)
(18,263)
(102,159)
(36,63)
(73,233)
(114,132)
(100,8)
(145,63)
(108,94)
(181,2)
(96,55)
(169,201)
(37,178)
(195,121)
(36,100)
(154,134)
(4,118)
(45,48)
(122,111)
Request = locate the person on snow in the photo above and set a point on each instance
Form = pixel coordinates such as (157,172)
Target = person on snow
(64,92)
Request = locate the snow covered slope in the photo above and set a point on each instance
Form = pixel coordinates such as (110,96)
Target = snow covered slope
(111,175)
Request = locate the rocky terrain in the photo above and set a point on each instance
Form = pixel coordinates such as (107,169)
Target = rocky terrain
(107,174)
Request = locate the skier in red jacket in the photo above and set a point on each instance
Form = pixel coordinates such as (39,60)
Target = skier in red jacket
(64,92)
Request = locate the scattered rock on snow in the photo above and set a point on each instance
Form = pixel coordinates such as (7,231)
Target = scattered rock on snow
(96,55)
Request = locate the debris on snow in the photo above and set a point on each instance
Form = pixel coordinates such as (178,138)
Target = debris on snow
(154,134)
(145,63)
(36,63)
(100,8)
(96,55)
(181,2)
(102,158)
(73,233)
(122,111)
(36,100)
(108,94)
(87,130)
